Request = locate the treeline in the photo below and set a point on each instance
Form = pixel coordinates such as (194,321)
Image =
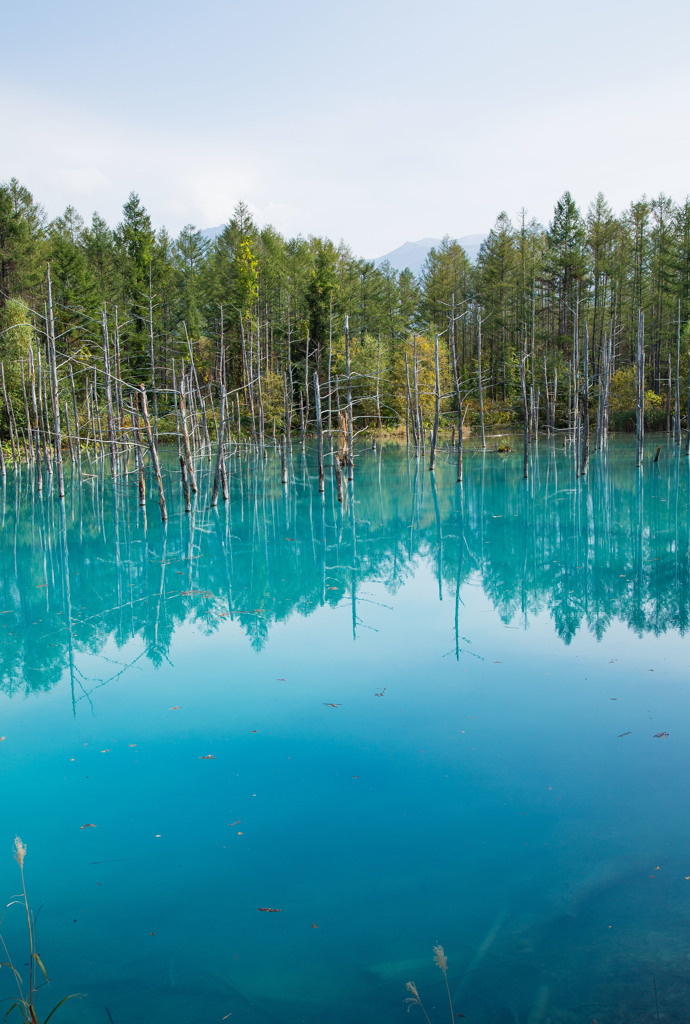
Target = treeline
(256,309)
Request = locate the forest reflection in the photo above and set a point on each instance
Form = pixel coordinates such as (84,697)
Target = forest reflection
(78,575)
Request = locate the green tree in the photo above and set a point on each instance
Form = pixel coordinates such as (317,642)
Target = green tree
(22,234)
(446,280)
(189,256)
(134,239)
(496,277)
(565,264)
(74,288)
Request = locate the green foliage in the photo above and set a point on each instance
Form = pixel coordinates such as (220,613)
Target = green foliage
(624,403)
(16,334)
(287,299)
(22,239)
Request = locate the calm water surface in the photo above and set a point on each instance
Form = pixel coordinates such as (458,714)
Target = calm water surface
(432,714)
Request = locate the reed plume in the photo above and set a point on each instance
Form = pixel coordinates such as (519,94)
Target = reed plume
(25,1001)
(441,962)
(415,1000)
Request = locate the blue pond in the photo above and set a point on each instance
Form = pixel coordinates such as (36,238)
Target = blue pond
(430,714)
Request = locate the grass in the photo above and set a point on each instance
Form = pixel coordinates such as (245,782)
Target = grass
(414,999)
(25,1001)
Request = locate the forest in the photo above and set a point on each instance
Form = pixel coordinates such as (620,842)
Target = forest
(582,307)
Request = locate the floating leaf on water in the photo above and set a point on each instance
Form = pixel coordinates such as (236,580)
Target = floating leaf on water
(207,757)
(660,735)
(270,910)
(175,708)
(622,734)
(89,824)
(326,705)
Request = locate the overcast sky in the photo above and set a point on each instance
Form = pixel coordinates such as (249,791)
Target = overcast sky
(372,121)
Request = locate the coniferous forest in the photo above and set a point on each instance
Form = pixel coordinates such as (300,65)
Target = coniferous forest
(587,313)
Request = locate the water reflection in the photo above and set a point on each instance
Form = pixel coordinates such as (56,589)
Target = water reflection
(78,575)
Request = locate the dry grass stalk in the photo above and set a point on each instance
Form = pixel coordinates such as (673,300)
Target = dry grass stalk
(414,999)
(25,1003)
(441,961)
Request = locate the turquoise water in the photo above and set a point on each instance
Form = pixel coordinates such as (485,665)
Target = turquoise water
(427,715)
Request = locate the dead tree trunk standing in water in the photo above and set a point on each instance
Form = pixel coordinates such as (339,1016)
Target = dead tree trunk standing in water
(338,475)
(525,411)
(350,459)
(417,406)
(676,415)
(639,380)
(437,408)
(152,359)
(30,445)
(576,384)
(139,455)
(36,421)
(458,400)
(220,454)
(10,417)
(185,484)
(185,434)
(479,376)
(302,422)
(68,434)
(319,434)
(584,430)
(154,455)
(283,460)
(687,433)
(75,412)
(378,379)
(108,393)
(410,419)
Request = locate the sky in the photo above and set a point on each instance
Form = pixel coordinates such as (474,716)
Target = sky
(371,121)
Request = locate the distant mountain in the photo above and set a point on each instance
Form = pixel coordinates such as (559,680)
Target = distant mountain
(413,254)
(210,234)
